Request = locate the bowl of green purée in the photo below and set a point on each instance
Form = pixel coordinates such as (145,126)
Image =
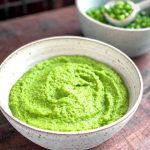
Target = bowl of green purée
(67,91)
(133,39)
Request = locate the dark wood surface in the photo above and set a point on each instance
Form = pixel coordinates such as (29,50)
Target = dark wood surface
(17,32)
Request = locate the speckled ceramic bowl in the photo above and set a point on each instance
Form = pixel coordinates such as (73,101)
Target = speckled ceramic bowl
(25,57)
(132,42)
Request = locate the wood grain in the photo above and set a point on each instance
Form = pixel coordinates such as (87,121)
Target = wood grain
(17,32)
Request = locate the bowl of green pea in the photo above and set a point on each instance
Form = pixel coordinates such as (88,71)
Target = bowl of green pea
(133,38)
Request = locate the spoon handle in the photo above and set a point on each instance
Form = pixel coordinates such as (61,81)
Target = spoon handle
(144,4)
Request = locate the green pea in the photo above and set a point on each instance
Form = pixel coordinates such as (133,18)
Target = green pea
(126,14)
(121,17)
(143,13)
(112,15)
(120,11)
(128,6)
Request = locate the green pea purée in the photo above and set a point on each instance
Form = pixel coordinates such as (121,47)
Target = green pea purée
(69,93)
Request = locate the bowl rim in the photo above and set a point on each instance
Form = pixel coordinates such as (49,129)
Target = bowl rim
(107,25)
(127,115)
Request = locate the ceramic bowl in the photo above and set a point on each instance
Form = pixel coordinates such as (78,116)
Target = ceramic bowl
(25,57)
(133,42)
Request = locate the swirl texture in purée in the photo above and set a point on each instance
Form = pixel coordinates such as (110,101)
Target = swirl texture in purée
(69,93)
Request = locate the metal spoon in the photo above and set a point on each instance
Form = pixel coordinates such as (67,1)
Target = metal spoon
(136,8)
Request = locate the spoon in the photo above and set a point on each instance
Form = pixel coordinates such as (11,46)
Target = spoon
(136,8)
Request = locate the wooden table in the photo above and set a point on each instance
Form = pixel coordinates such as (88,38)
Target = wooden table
(17,32)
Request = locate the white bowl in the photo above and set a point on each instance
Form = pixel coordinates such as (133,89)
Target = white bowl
(25,57)
(133,42)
